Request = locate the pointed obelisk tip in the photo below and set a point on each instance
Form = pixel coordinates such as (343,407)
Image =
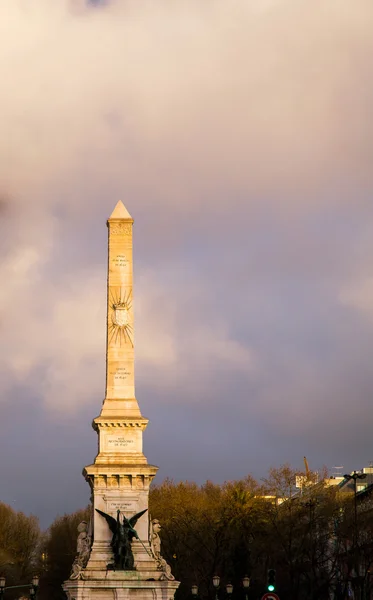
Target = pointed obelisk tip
(120,212)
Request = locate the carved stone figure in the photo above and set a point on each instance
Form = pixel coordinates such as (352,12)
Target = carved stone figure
(123,534)
(155,545)
(165,567)
(155,540)
(83,548)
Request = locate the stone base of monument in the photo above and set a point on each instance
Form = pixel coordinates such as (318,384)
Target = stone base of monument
(102,555)
(98,582)
(120,585)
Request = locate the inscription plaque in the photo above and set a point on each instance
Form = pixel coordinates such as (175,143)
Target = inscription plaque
(119,442)
(121,374)
(120,260)
(129,506)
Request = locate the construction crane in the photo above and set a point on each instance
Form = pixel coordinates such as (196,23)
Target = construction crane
(308,478)
(308,472)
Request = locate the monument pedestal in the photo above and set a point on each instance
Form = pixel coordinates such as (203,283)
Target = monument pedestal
(120,476)
(125,585)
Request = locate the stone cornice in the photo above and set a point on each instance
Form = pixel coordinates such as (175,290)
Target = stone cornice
(102,423)
(122,469)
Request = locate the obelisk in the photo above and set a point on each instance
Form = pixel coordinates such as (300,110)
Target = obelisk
(120,476)
(120,398)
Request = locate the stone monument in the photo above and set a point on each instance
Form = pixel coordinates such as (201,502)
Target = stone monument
(118,556)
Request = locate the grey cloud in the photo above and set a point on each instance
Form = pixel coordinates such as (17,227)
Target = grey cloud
(233,99)
(239,137)
(4,204)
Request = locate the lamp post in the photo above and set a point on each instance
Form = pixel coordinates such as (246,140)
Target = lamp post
(2,586)
(194,591)
(246,585)
(34,587)
(229,588)
(355,475)
(216,583)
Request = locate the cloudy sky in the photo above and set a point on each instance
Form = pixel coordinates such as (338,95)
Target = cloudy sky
(238,133)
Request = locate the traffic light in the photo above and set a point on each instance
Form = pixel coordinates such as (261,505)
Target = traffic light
(271,583)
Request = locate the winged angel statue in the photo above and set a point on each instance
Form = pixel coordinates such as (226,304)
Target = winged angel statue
(123,534)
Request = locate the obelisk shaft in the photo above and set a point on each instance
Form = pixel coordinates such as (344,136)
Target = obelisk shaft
(120,382)
(120,378)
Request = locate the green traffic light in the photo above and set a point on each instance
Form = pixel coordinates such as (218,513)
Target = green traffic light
(271,588)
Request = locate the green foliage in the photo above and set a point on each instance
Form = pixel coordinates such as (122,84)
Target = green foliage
(20,540)
(58,553)
(244,527)
(209,529)
(310,537)
(192,529)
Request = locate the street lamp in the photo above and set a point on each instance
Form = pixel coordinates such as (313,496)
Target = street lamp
(194,591)
(34,587)
(246,585)
(229,588)
(2,586)
(216,583)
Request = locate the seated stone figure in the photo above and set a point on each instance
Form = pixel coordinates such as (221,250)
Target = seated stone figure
(83,548)
(155,545)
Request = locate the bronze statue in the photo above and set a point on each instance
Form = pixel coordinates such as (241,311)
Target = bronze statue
(123,534)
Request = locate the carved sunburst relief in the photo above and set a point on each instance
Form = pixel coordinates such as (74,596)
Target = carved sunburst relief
(120,328)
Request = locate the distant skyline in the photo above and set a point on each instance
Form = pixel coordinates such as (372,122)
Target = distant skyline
(239,137)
